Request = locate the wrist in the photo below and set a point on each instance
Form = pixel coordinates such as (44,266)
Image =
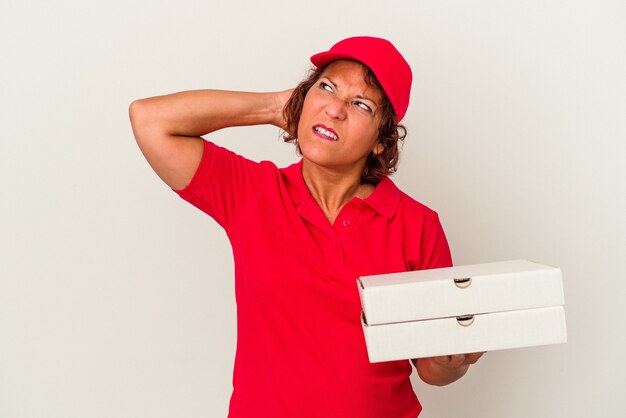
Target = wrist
(277,103)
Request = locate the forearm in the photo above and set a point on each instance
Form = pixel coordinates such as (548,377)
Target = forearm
(198,112)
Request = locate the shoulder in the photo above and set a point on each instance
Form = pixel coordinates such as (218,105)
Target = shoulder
(222,168)
(407,208)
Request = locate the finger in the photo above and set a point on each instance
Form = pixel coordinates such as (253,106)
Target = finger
(441,360)
(457,360)
(473,357)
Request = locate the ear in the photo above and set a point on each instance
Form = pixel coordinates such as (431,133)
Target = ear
(378,149)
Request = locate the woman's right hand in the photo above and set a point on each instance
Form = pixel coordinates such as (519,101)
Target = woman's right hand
(281,99)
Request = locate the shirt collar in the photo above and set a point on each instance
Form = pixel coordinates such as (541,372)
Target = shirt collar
(384,199)
(296,187)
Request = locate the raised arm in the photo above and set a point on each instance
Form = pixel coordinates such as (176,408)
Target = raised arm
(168,129)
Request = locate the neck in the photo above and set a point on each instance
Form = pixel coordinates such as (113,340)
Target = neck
(332,189)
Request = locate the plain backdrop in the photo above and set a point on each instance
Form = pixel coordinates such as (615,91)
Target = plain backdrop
(116,297)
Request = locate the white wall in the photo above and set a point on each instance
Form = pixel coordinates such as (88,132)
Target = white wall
(116,298)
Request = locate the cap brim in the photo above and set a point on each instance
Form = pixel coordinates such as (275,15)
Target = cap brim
(323,58)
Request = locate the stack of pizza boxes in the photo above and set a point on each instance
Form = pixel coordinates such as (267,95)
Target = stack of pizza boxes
(463,309)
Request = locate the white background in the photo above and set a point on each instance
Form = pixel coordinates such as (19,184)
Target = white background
(116,297)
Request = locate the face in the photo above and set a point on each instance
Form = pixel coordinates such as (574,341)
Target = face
(340,117)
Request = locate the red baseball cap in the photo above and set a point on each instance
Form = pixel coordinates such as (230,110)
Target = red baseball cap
(389,66)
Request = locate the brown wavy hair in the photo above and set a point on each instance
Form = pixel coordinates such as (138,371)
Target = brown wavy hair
(390,132)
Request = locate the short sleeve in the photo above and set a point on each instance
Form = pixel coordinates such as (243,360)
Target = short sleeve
(223,184)
(435,251)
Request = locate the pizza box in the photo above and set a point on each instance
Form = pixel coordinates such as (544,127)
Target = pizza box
(463,309)
(460,290)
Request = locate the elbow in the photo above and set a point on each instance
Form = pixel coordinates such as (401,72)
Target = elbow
(136,111)
(139,115)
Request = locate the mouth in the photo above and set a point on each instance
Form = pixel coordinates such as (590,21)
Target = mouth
(325,132)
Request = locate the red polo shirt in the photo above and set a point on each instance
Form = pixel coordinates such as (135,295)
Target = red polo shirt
(300,347)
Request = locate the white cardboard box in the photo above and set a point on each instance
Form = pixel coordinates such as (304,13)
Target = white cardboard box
(463,309)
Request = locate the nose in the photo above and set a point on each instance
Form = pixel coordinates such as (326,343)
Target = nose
(336,108)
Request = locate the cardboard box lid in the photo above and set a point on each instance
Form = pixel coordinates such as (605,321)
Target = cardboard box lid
(460,290)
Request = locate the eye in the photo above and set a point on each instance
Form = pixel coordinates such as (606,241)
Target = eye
(325,86)
(363,106)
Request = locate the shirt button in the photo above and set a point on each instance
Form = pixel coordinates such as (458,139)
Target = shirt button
(346,222)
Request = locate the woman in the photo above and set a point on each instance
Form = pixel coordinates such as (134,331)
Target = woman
(301,235)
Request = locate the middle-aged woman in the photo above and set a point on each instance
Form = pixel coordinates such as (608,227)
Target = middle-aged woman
(301,235)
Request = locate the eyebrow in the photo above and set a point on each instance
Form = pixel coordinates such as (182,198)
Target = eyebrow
(358,96)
